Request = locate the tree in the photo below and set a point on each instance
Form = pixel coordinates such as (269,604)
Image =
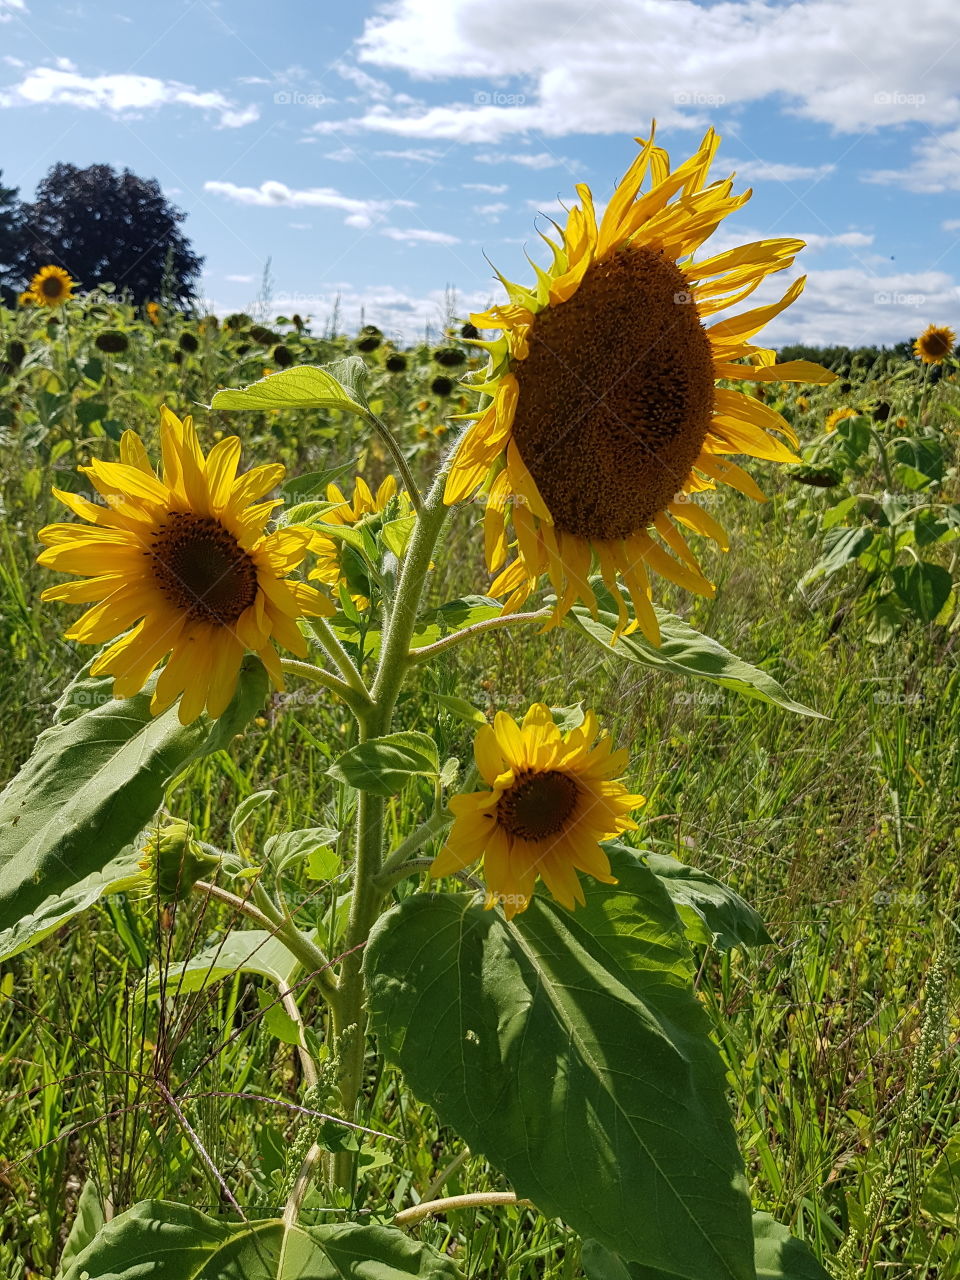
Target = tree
(101,225)
(11,243)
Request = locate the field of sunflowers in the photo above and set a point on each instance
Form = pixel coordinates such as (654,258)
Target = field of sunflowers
(443,842)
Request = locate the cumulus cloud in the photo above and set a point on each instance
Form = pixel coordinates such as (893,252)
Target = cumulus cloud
(119,94)
(770,171)
(361,213)
(853,64)
(10,8)
(935,166)
(529,159)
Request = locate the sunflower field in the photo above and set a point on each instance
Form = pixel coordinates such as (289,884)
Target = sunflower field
(483,809)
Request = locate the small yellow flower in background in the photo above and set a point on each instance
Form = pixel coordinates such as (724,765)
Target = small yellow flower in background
(935,344)
(553,798)
(184,561)
(365,508)
(838,415)
(26,299)
(605,412)
(51,286)
(802,403)
(153,312)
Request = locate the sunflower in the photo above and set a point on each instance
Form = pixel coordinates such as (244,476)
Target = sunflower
(365,508)
(935,344)
(153,312)
(837,416)
(605,412)
(184,561)
(553,799)
(51,286)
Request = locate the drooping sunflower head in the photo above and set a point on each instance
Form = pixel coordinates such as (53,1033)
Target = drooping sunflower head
(935,344)
(837,416)
(553,797)
(51,286)
(606,411)
(335,559)
(181,565)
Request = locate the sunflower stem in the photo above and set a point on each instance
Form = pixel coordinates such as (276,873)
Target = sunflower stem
(438,822)
(358,703)
(477,628)
(350,1014)
(330,642)
(393,446)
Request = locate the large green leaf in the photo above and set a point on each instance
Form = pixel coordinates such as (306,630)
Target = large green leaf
(925,588)
(94,780)
(338,385)
(777,1256)
(383,765)
(941,1195)
(569,1049)
(684,650)
(711,912)
(174,1242)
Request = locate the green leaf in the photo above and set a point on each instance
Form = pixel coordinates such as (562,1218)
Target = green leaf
(712,913)
(841,546)
(777,1256)
(396,534)
(88,1221)
(924,588)
(383,765)
(247,807)
(686,651)
(941,1195)
(276,1019)
(460,707)
(305,386)
(254,951)
(286,848)
(93,781)
(569,1050)
(305,486)
(175,1242)
(432,624)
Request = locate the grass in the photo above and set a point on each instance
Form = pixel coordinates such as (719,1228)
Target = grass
(840,1039)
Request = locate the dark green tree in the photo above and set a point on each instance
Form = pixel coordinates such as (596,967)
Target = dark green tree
(101,225)
(11,243)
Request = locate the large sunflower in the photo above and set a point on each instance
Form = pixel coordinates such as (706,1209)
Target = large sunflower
(184,561)
(605,411)
(935,344)
(367,508)
(51,286)
(553,798)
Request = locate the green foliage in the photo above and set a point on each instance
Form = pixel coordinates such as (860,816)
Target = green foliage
(179,1243)
(338,386)
(382,765)
(558,1045)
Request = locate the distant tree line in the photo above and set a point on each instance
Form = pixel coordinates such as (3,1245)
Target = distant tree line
(100,226)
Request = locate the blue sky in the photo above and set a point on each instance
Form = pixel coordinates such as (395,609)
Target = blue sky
(378,151)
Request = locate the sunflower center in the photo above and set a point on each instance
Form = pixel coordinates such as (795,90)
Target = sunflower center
(937,343)
(51,286)
(538,805)
(616,396)
(202,569)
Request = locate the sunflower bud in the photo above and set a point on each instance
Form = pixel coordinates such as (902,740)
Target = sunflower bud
(173,860)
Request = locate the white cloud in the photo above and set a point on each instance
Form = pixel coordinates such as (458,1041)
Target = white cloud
(845,239)
(240,279)
(529,159)
(119,95)
(368,86)
(492,211)
(343,155)
(8,9)
(951,224)
(766,170)
(273,195)
(489,188)
(416,155)
(419,235)
(936,166)
(849,64)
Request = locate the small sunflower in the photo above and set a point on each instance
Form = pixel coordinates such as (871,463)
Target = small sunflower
(605,412)
(184,561)
(837,416)
(553,798)
(153,312)
(935,344)
(51,286)
(365,508)
(25,299)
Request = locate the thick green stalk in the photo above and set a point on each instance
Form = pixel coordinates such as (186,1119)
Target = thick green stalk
(368,895)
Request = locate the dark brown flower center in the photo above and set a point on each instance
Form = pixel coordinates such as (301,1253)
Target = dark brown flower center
(616,396)
(538,805)
(202,569)
(51,286)
(936,343)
